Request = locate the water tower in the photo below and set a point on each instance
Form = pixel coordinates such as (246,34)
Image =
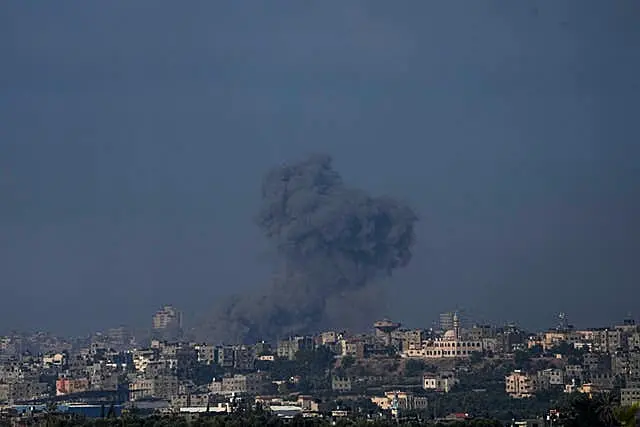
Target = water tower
(385,328)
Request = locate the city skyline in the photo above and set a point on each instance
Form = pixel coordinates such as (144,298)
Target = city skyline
(134,141)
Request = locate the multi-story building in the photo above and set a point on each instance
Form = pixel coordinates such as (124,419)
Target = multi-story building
(629,396)
(354,347)
(190,400)
(451,345)
(141,388)
(520,385)
(165,387)
(401,399)
(4,392)
(550,377)
(27,389)
(224,356)
(608,340)
(328,338)
(633,341)
(141,358)
(341,384)
(206,354)
(287,349)
(251,384)
(167,316)
(71,385)
(601,380)
(262,349)
(243,357)
(446,321)
(555,337)
(626,364)
(478,332)
(597,362)
(51,360)
(509,338)
(441,382)
(574,372)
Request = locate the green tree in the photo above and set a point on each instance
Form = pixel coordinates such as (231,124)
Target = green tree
(476,357)
(522,359)
(347,361)
(627,415)
(414,367)
(605,407)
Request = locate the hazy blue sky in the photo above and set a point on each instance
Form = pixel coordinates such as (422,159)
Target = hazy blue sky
(133,137)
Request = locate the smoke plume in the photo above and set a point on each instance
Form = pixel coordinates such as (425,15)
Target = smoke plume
(331,239)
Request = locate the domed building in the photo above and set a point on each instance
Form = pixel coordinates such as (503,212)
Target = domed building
(450,345)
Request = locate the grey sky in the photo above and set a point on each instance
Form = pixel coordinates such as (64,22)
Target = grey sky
(133,136)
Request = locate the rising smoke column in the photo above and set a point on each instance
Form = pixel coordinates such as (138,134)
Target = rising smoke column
(331,239)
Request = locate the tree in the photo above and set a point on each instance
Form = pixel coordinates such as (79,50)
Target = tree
(582,411)
(522,359)
(316,362)
(476,357)
(347,361)
(627,415)
(605,406)
(414,367)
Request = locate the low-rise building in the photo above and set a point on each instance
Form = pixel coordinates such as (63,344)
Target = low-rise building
(27,389)
(401,399)
(190,400)
(50,360)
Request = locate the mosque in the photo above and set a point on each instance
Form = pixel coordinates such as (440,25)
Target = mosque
(450,345)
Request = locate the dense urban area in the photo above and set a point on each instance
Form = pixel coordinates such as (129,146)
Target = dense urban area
(458,373)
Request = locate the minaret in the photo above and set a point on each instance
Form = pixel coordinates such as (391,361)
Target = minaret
(456,326)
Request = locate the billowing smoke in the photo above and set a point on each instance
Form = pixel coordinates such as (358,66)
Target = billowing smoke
(332,240)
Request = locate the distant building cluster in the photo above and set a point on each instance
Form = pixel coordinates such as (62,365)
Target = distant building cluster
(395,369)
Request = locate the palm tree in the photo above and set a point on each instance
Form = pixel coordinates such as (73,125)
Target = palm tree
(606,405)
(626,415)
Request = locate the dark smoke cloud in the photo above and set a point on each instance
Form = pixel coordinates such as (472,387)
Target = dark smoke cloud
(332,240)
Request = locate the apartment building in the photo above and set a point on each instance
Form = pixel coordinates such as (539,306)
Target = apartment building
(206,354)
(288,348)
(520,385)
(441,382)
(252,384)
(626,364)
(71,385)
(243,357)
(629,396)
(26,389)
(574,372)
(354,347)
(165,317)
(550,377)
(341,384)
(556,337)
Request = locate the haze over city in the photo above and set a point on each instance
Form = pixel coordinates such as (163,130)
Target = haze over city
(135,135)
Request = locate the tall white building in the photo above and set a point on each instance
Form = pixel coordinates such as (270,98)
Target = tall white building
(167,316)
